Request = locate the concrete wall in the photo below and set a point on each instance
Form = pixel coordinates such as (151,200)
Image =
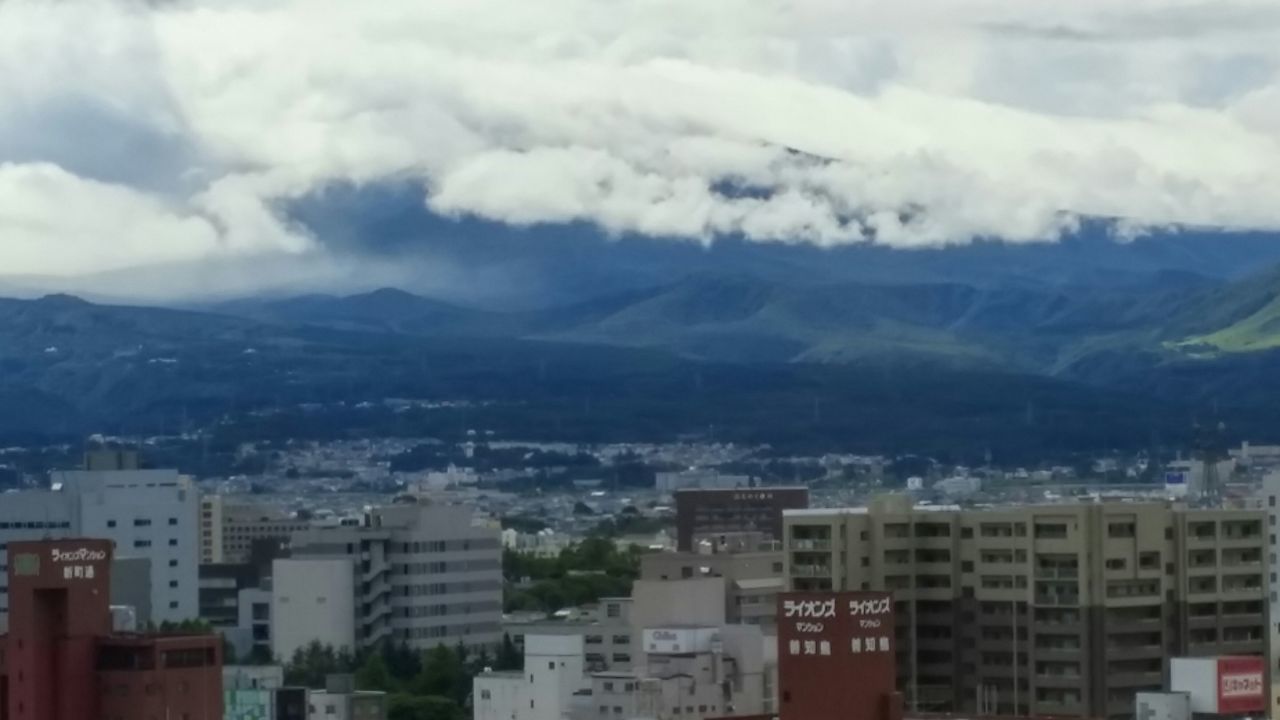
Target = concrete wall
(312,600)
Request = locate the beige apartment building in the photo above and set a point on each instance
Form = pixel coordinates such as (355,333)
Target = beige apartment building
(753,578)
(1064,609)
(228,530)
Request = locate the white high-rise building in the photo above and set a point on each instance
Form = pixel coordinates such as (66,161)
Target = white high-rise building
(149,514)
(422,574)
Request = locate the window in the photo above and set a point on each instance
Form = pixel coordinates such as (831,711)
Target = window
(142,543)
(615,610)
(484,694)
(173,521)
(330,709)
(173,542)
(1122,529)
(111,523)
(173,563)
(1115,564)
(142,522)
(173,583)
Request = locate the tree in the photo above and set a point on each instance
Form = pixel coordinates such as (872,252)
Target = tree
(403,663)
(413,707)
(481,661)
(509,657)
(443,675)
(311,664)
(373,674)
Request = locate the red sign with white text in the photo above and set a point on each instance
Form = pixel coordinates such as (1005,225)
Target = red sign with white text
(1241,685)
(835,655)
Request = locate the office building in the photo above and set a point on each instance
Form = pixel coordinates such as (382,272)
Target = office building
(551,686)
(419,574)
(753,577)
(62,652)
(1065,609)
(717,515)
(605,629)
(148,514)
(230,531)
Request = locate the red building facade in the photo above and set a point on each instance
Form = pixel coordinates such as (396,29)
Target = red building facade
(836,657)
(60,660)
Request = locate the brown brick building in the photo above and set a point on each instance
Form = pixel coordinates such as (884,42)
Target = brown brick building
(712,513)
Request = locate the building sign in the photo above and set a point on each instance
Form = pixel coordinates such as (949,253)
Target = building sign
(824,640)
(78,555)
(680,641)
(77,563)
(867,632)
(1241,688)
(753,497)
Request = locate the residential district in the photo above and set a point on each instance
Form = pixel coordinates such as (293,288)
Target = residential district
(342,590)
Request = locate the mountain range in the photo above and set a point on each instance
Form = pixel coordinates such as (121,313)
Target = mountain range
(1150,340)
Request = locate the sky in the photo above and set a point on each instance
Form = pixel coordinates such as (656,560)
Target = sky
(144,137)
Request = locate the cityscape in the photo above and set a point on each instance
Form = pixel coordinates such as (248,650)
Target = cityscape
(346,588)
(639,360)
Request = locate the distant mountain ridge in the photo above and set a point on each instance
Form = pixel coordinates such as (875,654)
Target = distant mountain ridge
(853,365)
(740,318)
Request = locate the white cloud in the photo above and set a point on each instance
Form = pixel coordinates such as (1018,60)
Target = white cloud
(963,118)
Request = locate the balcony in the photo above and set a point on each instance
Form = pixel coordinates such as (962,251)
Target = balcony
(811,571)
(1134,652)
(823,544)
(1242,646)
(1057,573)
(1152,678)
(1057,600)
(1058,653)
(1059,680)
(1061,708)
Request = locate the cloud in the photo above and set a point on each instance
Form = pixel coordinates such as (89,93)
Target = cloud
(176,131)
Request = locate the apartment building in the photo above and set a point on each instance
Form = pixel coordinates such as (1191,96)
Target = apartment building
(1065,610)
(229,530)
(1268,500)
(415,573)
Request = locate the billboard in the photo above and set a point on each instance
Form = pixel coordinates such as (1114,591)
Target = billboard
(1229,685)
(835,655)
(1241,688)
(680,641)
